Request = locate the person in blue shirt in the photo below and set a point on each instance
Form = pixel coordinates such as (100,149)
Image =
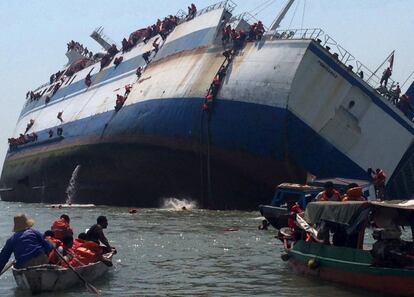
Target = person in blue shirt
(28,245)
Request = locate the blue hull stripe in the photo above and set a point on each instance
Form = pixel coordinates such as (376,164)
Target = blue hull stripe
(356,82)
(259,130)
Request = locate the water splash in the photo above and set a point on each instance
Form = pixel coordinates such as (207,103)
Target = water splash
(178,204)
(71,189)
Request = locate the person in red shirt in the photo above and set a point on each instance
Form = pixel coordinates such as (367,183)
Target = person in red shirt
(61,227)
(329,194)
(379,183)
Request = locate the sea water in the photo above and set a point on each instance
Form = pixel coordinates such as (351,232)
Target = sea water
(175,252)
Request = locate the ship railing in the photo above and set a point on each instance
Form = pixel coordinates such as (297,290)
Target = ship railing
(339,53)
(228,5)
(247,16)
(40,87)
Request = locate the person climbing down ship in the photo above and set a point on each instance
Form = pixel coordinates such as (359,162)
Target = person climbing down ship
(146,56)
(120,100)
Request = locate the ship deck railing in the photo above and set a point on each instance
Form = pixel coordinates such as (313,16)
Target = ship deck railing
(339,53)
(228,5)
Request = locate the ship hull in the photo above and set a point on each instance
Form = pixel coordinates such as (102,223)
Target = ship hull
(225,159)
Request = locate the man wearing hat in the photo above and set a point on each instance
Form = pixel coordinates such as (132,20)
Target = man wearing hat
(28,245)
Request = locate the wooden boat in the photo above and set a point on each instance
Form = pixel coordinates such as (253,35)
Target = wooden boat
(387,268)
(46,278)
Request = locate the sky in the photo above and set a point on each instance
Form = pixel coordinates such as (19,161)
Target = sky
(33,35)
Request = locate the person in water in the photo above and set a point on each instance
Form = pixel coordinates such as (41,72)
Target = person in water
(28,245)
(264,226)
(96,234)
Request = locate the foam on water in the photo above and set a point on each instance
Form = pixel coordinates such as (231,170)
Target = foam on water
(178,204)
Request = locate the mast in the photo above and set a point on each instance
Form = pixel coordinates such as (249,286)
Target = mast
(278,20)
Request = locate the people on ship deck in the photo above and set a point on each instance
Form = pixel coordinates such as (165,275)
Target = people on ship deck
(329,193)
(96,234)
(27,244)
(385,76)
(192,11)
(61,227)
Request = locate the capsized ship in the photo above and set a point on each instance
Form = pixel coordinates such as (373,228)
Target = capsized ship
(289,104)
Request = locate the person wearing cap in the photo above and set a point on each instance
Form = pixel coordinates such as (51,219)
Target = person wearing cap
(329,194)
(28,245)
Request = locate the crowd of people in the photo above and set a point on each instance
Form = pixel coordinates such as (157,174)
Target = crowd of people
(83,50)
(57,245)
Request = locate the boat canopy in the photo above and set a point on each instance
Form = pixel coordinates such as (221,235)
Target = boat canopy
(384,214)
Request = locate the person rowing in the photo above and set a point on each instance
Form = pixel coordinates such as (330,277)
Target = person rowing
(96,234)
(27,244)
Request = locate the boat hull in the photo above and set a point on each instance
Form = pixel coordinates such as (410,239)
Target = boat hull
(48,278)
(351,267)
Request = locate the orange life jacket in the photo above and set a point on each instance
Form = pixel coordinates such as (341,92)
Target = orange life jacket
(334,197)
(61,229)
(353,194)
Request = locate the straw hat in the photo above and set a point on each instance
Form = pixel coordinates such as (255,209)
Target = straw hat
(21,223)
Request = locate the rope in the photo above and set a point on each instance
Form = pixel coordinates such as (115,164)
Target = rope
(270,3)
(260,6)
(294,13)
(303,15)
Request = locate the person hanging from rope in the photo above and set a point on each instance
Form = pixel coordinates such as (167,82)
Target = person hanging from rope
(252,32)
(118,61)
(59,116)
(259,30)
(88,80)
(120,100)
(222,72)
(228,54)
(139,72)
(128,89)
(156,45)
(146,56)
(29,125)
(226,35)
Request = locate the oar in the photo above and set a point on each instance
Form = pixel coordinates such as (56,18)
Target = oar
(87,284)
(7,267)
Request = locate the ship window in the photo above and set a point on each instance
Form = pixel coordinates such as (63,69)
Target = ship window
(351,104)
(51,87)
(44,91)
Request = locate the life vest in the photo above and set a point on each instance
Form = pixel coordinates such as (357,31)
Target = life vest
(77,243)
(354,194)
(88,252)
(295,209)
(61,229)
(334,197)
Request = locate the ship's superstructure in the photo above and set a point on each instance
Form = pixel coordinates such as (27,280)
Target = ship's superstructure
(287,106)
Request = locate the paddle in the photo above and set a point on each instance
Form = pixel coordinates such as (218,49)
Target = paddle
(88,286)
(7,267)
